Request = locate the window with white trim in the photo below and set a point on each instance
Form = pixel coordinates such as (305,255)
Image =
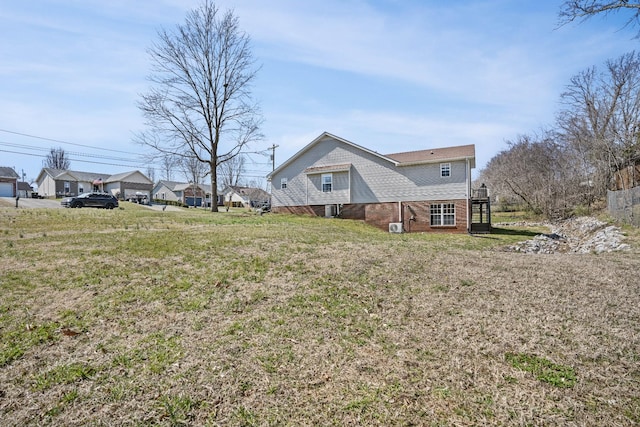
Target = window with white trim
(327,182)
(80,189)
(283,183)
(445,170)
(443,214)
(67,187)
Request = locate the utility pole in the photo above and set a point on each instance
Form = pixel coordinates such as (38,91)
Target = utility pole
(273,157)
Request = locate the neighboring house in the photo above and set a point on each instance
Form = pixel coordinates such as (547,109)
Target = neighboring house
(248,197)
(8,182)
(24,189)
(183,192)
(60,183)
(426,190)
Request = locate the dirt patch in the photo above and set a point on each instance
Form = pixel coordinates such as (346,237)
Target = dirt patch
(575,235)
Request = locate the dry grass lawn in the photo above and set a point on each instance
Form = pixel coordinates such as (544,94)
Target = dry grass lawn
(139,317)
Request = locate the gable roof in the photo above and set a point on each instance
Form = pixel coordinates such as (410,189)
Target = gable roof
(24,186)
(171,185)
(398,159)
(317,140)
(122,176)
(8,172)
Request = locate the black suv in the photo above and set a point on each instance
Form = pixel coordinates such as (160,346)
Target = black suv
(90,200)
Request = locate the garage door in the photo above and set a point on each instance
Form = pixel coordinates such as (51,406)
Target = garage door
(6,189)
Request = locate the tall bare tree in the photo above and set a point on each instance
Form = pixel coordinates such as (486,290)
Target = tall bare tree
(572,10)
(57,159)
(200,101)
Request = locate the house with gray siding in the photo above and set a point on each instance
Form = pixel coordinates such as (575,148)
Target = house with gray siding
(54,183)
(425,190)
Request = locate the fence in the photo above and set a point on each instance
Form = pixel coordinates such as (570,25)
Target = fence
(624,205)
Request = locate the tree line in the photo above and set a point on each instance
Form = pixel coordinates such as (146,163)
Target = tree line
(569,166)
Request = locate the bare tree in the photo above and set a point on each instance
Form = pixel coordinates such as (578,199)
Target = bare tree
(600,119)
(168,163)
(200,102)
(572,10)
(231,171)
(151,173)
(57,159)
(538,171)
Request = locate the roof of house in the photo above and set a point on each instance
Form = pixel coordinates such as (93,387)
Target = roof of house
(398,159)
(78,175)
(434,155)
(181,186)
(171,185)
(248,191)
(122,176)
(88,176)
(8,172)
(24,186)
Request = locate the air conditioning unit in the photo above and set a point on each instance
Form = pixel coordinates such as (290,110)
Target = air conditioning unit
(395,227)
(330,211)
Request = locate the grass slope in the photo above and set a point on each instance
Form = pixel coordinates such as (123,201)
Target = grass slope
(137,317)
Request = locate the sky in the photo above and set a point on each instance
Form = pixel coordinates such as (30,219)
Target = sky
(389,75)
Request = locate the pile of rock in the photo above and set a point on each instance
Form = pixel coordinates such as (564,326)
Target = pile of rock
(575,235)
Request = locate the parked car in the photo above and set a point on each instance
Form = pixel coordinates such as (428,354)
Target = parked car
(90,200)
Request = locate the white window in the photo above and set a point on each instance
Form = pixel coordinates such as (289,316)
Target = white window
(445,170)
(327,182)
(67,187)
(80,189)
(283,183)
(443,214)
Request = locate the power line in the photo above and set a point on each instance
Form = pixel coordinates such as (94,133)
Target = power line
(76,153)
(70,159)
(65,142)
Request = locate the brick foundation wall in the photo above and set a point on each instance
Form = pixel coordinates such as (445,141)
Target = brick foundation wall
(381,214)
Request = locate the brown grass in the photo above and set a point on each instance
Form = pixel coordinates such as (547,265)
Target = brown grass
(133,317)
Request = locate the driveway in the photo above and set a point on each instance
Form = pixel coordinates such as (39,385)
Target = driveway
(30,203)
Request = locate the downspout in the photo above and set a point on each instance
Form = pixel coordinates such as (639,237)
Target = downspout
(468,179)
(349,177)
(400,213)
